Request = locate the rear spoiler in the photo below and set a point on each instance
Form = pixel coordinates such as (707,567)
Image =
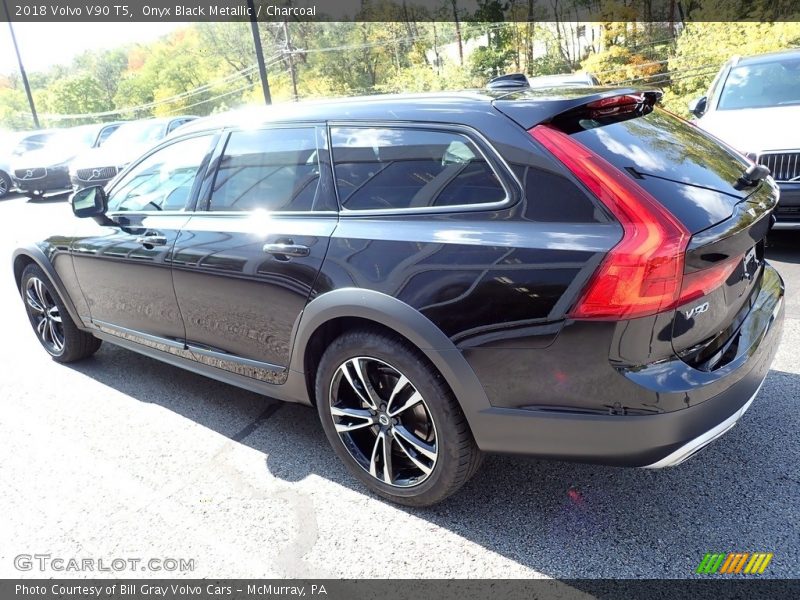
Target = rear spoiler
(533,107)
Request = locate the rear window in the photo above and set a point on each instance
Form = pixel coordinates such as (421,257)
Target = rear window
(692,174)
(404,168)
(663,145)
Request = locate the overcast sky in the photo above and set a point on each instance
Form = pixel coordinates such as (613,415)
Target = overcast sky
(46,44)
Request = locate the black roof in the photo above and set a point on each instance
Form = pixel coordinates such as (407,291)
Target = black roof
(527,106)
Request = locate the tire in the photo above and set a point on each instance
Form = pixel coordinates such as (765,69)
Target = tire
(405,408)
(5,184)
(54,328)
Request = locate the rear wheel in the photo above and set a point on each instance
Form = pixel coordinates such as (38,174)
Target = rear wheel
(392,419)
(5,184)
(52,324)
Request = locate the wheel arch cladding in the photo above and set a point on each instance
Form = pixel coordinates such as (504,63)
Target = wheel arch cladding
(32,255)
(357,306)
(20,262)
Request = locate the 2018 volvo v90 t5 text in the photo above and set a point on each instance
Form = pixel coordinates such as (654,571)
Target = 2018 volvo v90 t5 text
(573,274)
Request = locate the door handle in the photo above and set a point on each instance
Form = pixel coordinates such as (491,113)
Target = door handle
(152,239)
(286,249)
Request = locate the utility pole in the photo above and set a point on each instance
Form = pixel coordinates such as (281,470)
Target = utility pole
(21,68)
(291,59)
(262,67)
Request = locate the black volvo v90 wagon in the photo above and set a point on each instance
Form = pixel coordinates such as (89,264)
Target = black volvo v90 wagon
(573,274)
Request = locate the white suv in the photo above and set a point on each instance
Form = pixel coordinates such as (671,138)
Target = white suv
(753,104)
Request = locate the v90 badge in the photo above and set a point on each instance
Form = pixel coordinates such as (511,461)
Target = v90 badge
(696,310)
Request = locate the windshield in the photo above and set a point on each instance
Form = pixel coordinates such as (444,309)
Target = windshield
(775,83)
(8,141)
(75,137)
(28,143)
(140,132)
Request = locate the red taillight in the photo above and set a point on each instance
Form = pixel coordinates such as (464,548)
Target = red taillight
(615,105)
(642,275)
(700,283)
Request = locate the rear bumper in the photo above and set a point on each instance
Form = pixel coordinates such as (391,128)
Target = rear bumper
(787,212)
(695,445)
(654,440)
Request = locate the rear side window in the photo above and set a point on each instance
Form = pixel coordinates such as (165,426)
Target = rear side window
(380,168)
(270,169)
(553,198)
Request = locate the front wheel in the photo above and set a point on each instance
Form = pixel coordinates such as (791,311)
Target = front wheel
(5,184)
(392,419)
(51,322)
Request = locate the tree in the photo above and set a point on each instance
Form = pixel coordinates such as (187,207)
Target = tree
(229,43)
(459,39)
(619,65)
(496,56)
(107,68)
(81,93)
(14,109)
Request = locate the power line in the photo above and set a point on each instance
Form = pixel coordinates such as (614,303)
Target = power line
(172,99)
(207,100)
(231,93)
(668,75)
(238,75)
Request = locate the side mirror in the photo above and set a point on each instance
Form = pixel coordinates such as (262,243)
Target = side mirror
(89,202)
(698,106)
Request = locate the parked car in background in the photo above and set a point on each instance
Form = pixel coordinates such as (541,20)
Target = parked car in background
(520,81)
(99,165)
(575,275)
(13,144)
(753,104)
(566,80)
(7,143)
(45,168)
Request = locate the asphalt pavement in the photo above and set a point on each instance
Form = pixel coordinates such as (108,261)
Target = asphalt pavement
(122,456)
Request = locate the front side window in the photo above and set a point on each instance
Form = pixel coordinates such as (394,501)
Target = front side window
(406,168)
(163,180)
(270,169)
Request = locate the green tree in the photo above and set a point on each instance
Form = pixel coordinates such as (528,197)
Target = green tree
(107,67)
(14,110)
(81,93)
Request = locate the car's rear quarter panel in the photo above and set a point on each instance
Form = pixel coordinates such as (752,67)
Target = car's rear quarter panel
(498,283)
